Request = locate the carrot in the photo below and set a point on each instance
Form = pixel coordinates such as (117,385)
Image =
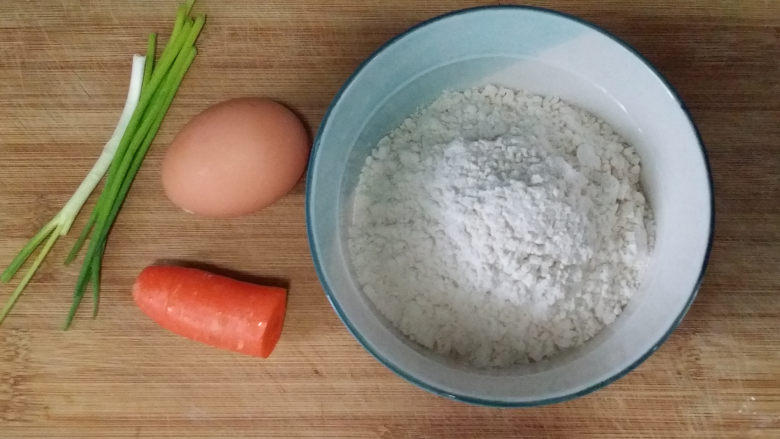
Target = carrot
(212,309)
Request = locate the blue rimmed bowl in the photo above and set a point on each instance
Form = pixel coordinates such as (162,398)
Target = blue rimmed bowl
(548,53)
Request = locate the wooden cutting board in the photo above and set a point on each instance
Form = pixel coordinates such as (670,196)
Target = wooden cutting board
(64,68)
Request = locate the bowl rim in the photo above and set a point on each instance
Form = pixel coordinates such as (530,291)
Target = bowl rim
(430,387)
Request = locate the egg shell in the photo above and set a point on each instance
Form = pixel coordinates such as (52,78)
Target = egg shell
(235,158)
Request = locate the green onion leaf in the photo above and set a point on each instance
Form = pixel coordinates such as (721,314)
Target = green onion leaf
(156,97)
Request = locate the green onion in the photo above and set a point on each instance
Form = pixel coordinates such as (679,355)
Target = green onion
(153,87)
(63,220)
(150,49)
(156,97)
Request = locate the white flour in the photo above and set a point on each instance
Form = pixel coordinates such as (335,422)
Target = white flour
(499,227)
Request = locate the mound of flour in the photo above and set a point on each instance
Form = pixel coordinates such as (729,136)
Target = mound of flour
(499,227)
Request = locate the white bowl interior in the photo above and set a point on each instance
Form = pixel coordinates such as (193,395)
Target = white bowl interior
(543,53)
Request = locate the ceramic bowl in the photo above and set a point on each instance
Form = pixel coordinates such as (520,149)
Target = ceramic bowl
(548,53)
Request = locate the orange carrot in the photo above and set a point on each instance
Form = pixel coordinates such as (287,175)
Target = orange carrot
(212,309)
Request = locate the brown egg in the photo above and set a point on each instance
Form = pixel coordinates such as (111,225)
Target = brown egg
(235,158)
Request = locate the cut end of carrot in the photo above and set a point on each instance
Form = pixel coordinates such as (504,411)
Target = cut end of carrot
(273,330)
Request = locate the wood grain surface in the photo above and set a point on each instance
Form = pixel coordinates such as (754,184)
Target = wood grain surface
(64,67)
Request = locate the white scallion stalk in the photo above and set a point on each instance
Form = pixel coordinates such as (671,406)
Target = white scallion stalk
(73,206)
(63,220)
